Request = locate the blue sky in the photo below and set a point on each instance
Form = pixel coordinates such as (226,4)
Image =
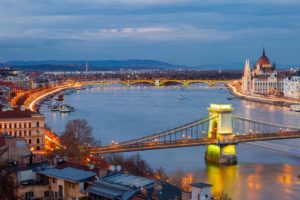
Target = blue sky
(190,32)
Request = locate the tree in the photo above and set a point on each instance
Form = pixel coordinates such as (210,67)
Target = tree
(8,184)
(77,139)
(132,164)
(222,196)
(160,173)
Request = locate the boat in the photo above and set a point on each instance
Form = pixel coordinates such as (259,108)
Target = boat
(222,90)
(180,97)
(54,106)
(64,108)
(60,97)
(81,88)
(295,108)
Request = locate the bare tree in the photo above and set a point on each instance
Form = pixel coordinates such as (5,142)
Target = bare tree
(8,184)
(132,164)
(77,139)
(222,196)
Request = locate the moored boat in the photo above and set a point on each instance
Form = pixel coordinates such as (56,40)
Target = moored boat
(64,108)
(295,108)
(180,97)
(60,97)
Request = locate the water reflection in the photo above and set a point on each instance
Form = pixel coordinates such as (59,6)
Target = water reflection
(221,177)
(253,181)
(122,113)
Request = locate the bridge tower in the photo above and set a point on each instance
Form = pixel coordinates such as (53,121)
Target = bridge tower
(220,129)
(157,83)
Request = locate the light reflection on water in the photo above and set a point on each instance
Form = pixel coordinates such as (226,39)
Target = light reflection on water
(121,113)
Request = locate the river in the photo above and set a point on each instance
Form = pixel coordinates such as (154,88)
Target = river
(121,113)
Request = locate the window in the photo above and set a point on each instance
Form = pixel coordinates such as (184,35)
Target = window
(46,194)
(29,141)
(29,124)
(60,191)
(37,124)
(53,180)
(28,195)
(38,141)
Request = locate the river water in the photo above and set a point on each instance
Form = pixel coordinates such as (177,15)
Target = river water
(120,113)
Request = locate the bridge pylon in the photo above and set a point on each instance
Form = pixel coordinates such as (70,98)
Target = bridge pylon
(220,129)
(157,83)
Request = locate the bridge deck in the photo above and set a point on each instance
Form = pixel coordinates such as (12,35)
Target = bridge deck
(194,142)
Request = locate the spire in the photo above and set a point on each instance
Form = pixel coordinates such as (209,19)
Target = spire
(264,52)
(86,65)
(247,69)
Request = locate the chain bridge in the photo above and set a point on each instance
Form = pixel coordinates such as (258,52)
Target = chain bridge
(220,131)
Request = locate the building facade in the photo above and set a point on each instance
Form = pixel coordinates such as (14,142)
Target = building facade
(201,191)
(67,183)
(292,86)
(264,78)
(26,124)
(13,149)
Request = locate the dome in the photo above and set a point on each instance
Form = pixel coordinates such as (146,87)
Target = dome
(263,60)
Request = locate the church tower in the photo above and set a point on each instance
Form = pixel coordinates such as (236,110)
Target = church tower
(246,80)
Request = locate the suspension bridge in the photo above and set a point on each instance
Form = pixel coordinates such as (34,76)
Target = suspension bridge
(220,131)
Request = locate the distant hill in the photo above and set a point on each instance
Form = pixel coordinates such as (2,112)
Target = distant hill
(106,65)
(79,65)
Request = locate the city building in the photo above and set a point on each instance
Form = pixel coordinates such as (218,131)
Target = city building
(67,183)
(31,185)
(201,191)
(264,78)
(292,86)
(130,187)
(13,149)
(5,92)
(247,78)
(26,124)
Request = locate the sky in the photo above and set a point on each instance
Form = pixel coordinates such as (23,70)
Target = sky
(188,32)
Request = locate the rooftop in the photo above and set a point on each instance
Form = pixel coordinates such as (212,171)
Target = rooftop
(69,174)
(201,185)
(127,180)
(119,185)
(16,113)
(263,60)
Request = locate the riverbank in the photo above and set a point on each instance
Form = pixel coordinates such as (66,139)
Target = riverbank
(264,100)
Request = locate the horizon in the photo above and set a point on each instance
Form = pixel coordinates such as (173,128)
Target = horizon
(181,32)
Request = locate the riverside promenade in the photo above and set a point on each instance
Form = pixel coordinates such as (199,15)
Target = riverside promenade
(265,100)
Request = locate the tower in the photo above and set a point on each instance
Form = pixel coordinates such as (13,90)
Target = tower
(86,66)
(220,129)
(246,79)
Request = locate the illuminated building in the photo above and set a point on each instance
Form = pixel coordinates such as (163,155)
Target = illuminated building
(264,79)
(246,79)
(26,124)
(292,86)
